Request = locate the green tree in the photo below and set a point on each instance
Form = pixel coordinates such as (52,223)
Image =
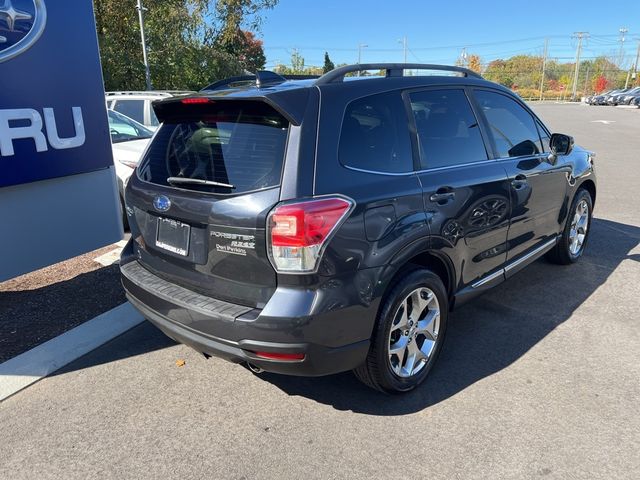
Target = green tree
(328,64)
(297,62)
(185,41)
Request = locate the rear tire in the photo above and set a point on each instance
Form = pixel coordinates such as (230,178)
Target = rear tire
(576,231)
(408,334)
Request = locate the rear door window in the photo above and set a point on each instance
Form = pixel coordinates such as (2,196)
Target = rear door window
(238,145)
(448,132)
(131,108)
(375,135)
(513,128)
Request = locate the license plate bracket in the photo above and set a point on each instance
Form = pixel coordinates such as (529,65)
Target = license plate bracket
(173,236)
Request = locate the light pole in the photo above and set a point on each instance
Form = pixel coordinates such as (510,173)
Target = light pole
(147,73)
(403,41)
(622,31)
(360,47)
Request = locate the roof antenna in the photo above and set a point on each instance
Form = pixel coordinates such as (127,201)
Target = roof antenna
(265,78)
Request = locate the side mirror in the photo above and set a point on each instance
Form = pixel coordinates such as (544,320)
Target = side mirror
(560,144)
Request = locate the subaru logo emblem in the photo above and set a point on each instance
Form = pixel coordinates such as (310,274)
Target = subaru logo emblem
(21,24)
(161,203)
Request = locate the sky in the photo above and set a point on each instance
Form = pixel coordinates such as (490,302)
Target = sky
(437,31)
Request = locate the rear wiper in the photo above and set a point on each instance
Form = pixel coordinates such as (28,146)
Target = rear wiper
(197,181)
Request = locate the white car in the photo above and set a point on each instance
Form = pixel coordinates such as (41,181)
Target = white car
(128,141)
(137,105)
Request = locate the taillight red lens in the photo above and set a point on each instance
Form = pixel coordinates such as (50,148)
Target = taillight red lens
(299,231)
(195,100)
(307,223)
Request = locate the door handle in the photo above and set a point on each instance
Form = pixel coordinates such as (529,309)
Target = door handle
(519,182)
(442,195)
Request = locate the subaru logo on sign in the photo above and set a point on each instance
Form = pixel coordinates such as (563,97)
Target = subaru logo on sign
(21,24)
(161,203)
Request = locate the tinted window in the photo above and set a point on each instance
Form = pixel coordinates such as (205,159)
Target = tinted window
(131,108)
(235,143)
(513,128)
(448,132)
(375,135)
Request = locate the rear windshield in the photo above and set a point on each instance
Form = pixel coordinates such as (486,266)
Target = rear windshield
(233,146)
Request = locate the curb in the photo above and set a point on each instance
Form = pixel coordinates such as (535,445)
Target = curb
(35,364)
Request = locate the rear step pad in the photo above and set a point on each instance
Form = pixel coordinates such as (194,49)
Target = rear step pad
(181,296)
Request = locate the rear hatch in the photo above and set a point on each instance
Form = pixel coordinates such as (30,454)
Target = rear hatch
(202,194)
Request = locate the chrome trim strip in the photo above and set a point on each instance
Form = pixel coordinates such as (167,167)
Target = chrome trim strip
(488,278)
(514,264)
(533,253)
(425,170)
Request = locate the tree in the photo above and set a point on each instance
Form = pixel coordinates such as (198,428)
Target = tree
(297,62)
(251,53)
(190,42)
(475,63)
(600,84)
(328,64)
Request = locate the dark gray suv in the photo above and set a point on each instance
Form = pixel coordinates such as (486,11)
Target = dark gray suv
(314,226)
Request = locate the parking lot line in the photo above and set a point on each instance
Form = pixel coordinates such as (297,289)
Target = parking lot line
(32,365)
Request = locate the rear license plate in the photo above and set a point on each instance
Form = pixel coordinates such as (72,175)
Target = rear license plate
(173,236)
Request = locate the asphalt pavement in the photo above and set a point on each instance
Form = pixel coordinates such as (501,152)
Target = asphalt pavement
(539,378)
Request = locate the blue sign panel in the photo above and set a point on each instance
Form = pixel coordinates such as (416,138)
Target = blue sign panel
(53,120)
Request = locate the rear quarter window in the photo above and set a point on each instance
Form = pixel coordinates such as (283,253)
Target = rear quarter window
(241,144)
(375,135)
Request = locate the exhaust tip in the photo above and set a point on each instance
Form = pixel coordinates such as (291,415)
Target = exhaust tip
(254,368)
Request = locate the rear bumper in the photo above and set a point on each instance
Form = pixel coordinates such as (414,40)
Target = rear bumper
(293,321)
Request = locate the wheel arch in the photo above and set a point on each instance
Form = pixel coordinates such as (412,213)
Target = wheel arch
(590,186)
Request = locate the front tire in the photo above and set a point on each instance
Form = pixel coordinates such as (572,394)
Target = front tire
(574,237)
(408,334)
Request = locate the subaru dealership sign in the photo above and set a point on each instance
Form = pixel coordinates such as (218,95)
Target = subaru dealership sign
(58,195)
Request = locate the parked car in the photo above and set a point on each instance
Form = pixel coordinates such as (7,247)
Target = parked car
(614,98)
(128,140)
(317,226)
(636,101)
(629,96)
(137,105)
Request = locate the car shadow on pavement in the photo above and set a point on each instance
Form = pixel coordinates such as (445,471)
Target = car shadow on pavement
(489,333)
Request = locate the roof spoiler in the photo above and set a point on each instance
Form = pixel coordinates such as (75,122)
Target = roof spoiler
(392,70)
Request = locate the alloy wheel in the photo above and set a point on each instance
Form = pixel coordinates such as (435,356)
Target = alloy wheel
(414,332)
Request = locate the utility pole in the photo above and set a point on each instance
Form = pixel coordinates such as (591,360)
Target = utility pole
(579,36)
(622,31)
(360,47)
(634,67)
(586,79)
(544,65)
(147,73)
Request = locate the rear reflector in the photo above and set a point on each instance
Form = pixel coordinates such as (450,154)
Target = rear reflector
(195,100)
(299,231)
(287,357)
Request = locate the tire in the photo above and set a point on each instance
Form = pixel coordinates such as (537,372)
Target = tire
(566,250)
(424,333)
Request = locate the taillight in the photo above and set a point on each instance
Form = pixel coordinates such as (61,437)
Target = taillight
(193,100)
(298,232)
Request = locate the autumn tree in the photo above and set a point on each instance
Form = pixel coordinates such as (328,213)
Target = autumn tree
(600,84)
(474,63)
(328,64)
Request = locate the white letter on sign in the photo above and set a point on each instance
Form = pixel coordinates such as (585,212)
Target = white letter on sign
(8,134)
(52,130)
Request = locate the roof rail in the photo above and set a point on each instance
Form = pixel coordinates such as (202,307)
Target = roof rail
(249,79)
(392,69)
